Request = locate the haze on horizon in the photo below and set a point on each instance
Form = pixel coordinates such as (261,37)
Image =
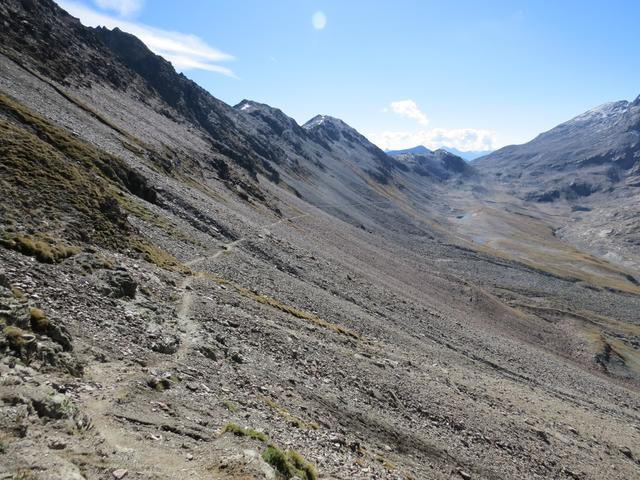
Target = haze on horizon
(465,76)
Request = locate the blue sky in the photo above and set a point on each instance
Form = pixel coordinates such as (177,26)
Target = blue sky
(464,74)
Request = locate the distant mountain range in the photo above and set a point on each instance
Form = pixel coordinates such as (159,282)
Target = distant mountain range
(597,151)
(466,155)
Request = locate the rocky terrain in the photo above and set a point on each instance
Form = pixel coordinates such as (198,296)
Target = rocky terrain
(194,290)
(587,171)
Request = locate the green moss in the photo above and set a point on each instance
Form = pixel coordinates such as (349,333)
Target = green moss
(245,432)
(289,464)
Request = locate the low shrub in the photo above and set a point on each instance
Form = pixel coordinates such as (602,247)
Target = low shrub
(39,321)
(289,464)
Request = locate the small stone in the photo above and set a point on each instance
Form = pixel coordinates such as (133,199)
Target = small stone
(189,456)
(192,386)
(237,357)
(57,444)
(166,344)
(119,473)
(464,475)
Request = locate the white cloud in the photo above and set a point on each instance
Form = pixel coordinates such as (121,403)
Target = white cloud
(319,20)
(409,109)
(464,139)
(124,8)
(184,51)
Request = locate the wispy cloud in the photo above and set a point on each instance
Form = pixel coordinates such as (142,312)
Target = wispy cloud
(124,8)
(184,51)
(409,109)
(464,139)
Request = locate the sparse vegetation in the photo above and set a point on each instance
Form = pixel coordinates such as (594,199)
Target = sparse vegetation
(14,336)
(287,415)
(304,315)
(272,302)
(238,431)
(45,251)
(232,407)
(289,464)
(157,256)
(39,321)
(52,174)
(17,293)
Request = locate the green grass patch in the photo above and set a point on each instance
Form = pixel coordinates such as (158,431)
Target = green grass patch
(239,431)
(290,463)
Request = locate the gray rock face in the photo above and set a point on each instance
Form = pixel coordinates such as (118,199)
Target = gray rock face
(122,285)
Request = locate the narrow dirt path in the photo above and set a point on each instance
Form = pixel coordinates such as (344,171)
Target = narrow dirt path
(187,327)
(117,378)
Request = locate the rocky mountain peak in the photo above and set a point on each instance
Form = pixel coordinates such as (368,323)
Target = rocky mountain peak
(334,130)
(419,149)
(327,122)
(276,120)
